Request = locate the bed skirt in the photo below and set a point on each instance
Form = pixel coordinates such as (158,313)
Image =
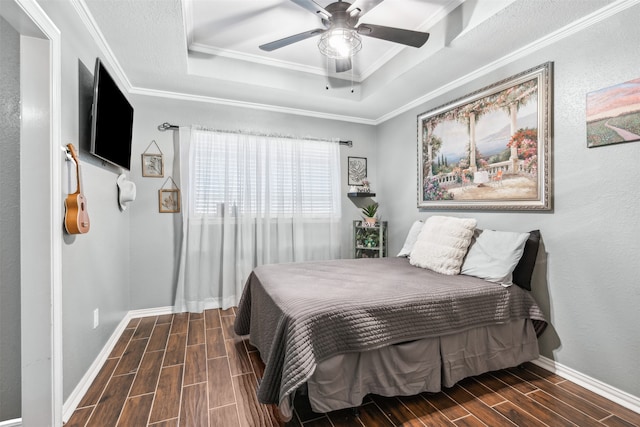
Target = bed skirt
(428,364)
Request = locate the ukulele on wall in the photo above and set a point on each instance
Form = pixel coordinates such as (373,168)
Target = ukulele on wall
(76,217)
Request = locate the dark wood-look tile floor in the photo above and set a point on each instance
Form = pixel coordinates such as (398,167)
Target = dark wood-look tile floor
(192,370)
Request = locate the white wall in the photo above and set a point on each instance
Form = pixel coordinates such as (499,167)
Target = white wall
(588,274)
(153,235)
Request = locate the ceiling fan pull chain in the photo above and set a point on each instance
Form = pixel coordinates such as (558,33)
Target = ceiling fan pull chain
(327,86)
(351,79)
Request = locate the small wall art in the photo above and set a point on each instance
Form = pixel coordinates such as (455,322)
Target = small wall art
(357,170)
(613,114)
(152,163)
(169,198)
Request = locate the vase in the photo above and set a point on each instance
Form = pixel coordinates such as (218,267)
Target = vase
(370,221)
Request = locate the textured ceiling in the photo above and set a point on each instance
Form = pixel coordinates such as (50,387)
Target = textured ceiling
(207,49)
(235,29)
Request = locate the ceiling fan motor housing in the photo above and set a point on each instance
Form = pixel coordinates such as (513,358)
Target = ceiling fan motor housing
(341,40)
(340,18)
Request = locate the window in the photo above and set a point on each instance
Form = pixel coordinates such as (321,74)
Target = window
(261,176)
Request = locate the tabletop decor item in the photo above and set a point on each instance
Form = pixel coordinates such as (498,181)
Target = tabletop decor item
(357,170)
(370,214)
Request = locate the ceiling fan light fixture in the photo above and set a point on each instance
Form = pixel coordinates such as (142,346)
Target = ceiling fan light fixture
(340,43)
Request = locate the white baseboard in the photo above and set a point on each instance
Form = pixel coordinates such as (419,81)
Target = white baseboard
(145,312)
(17,422)
(76,395)
(620,397)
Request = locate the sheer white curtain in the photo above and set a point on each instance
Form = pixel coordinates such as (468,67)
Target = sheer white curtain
(250,200)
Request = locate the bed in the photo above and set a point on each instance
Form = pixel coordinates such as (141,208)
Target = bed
(342,329)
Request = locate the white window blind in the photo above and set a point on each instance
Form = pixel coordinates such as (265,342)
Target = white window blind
(263,176)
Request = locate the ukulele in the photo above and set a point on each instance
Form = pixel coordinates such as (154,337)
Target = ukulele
(76,217)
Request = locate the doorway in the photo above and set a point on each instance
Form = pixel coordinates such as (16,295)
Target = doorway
(37,226)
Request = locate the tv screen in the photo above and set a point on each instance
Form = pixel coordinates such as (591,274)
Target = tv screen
(111,120)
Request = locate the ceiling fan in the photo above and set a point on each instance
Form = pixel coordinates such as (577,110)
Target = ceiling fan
(340,37)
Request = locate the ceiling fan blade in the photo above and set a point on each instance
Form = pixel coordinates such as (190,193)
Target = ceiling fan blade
(343,64)
(363,6)
(313,7)
(291,39)
(396,35)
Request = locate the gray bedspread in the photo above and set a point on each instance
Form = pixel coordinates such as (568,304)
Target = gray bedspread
(300,314)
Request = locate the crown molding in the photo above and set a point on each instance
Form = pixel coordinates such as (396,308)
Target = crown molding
(257,59)
(90,24)
(562,33)
(243,104)
(566,31)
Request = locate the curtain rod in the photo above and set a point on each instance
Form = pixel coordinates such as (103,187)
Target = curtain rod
(167,126)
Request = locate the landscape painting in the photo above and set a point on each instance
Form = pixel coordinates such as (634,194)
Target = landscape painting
(490,149)
(613,114)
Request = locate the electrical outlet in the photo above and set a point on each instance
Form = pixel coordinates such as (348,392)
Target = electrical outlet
(96,318)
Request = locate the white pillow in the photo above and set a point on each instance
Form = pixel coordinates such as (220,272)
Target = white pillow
(442,244)
(493,255)
(412,236)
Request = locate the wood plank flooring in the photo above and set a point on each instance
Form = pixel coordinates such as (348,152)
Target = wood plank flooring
(193,370)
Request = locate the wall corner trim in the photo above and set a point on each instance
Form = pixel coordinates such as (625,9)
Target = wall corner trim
(79,391)
(618,396)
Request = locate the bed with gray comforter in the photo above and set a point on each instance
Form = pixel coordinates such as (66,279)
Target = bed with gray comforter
(299,315)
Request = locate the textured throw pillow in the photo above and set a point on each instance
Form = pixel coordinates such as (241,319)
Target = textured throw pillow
(524,270)
(412,236)
(442,244)
(493,255)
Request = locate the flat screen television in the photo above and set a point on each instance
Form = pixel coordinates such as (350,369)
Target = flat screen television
(111,120)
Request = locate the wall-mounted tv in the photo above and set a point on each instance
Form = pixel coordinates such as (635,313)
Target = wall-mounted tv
(111,120)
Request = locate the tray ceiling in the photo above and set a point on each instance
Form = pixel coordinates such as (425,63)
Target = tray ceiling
(208,49)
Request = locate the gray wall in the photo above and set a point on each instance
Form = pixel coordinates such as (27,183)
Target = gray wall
(95,265)
(10,389)
(153,235)
(588,273)
(586,278)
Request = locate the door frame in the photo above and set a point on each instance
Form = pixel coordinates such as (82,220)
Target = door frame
(41,347)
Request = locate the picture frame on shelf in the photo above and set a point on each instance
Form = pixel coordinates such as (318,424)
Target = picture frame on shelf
(490,149)
(356,171)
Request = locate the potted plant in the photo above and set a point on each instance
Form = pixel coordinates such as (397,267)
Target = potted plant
(369,213)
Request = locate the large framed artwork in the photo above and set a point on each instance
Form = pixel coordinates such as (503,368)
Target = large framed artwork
(490,149)
(613,114)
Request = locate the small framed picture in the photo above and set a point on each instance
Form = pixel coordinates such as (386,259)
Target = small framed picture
(169,200)
(152,165)
(357,170)
(613,114)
